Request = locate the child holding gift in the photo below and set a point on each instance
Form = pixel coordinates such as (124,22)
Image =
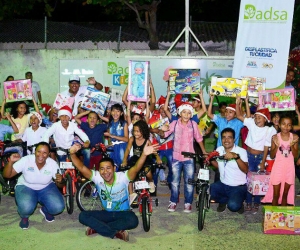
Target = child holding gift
(258,141)
(282,180)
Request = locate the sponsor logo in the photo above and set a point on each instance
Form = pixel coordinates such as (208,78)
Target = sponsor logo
(261,52)
(267,65)
(251,13)
(251,64)
(119,74)
(30,169)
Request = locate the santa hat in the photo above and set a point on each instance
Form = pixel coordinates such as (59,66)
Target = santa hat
(265,113)
(185,105)
(65,110)
(178,100)
(38,115)
(161,101)
(197,98)
(46,108)
(232,107)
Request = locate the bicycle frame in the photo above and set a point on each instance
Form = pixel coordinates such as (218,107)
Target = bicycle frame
(72,173)
(144,193)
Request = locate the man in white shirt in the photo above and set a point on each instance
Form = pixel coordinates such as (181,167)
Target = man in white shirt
(231,190)
(36,89)
(77,91)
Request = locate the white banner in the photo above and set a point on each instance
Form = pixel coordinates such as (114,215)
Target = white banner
(263,40)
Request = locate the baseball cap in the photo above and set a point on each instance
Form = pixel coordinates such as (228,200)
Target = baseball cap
(74,78)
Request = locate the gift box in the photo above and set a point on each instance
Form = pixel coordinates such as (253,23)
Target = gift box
(277,99)
(229,86)
(138,81)
(255,85)
(258,183)
(61,101)
(184,81)
(281,220)
(95,100)
(17,90)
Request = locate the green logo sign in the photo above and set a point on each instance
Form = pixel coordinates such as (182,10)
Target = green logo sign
(251,13)
(113,68)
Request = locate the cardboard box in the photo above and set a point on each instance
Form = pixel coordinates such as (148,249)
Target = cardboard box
(281,220)
(255,85)
(258,184)
(138,81)
(184,81)
(95,100)
(155,122)
(277,99)
(61,101)
(229,86)
(17,90)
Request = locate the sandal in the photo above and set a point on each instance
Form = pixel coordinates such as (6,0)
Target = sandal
(248,207)
(255,207)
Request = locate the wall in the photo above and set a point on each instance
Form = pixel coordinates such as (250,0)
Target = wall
(45,66)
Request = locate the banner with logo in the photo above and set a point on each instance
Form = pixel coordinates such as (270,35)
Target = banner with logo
(263,40)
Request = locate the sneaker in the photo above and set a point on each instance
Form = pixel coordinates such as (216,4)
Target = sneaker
(152,187)
(248,207)
(132,198)
(89,231)
(164,183)
(48,217)
(221,207)
(187,208)
(255,207)
(241,210)
(172,206)
(122,235)
(298,194)
(24,223)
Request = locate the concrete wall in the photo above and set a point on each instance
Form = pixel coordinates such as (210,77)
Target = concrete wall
(44,65)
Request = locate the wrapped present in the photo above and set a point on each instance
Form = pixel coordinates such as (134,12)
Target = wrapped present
(258,183)
(184,81)
(138,81)
(281,220)
(17,90)
(229,86)
(95,100)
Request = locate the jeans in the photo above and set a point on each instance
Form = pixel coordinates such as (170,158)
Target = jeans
(233,196)
(187,167)
(253,162)
(86,152)
(61,158)
(108,223)
(168,153)
(49,197)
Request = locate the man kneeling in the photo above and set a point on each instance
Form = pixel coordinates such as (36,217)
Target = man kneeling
(112,187)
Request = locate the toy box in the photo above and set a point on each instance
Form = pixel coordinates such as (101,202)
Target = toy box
(184,81)
(156,122)
(258,183)
(255,85)
(61,101)
(229,86)
(17,90)
(95,100)
(277,99)
(281,220)
(138,81)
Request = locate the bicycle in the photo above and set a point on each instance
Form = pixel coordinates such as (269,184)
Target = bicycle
(202,185)
(87,196)
(142,187)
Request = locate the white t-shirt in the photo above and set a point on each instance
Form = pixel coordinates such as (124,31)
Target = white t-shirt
(35,88)
(258,137)
(31,176)
(230,173)
(78,97)
(33,137)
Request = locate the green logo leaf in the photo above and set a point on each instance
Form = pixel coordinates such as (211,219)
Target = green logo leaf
(111,68)
(249,11)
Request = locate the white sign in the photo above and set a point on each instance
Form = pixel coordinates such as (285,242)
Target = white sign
(263,40)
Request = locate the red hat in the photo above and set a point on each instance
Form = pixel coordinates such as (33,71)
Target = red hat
(265,113)
(65,110)
(161,101)
(232,107)
(178,100)
(185,105)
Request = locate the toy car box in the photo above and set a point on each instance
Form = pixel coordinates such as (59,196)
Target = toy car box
(277,99)
(184,81)
(281,220)
(138,81)
(17,90)
(95,100)
(258,183)
(229,86)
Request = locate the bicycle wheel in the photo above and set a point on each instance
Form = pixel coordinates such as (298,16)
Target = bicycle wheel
(202,203)
(145,214)
(69,195)
(87,197)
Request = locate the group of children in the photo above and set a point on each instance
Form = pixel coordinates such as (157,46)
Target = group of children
(127,132)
